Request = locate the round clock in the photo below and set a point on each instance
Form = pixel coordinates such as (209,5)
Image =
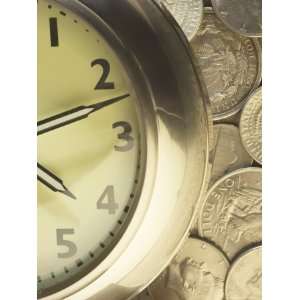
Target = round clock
(122,146)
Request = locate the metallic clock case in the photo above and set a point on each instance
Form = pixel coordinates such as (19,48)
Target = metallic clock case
(174,117)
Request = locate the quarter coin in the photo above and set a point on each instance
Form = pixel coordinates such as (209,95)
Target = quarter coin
(187,13)
(197,272)
(241,16)
(232,211)
(229,63)
(228,152)
(251,126)
(244,278)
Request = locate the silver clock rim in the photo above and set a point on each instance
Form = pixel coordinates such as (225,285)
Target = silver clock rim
(174,118)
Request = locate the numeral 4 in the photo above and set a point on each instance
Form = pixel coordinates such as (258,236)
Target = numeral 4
(107,200)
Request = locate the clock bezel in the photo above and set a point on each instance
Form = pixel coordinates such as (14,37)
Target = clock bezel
(170,124)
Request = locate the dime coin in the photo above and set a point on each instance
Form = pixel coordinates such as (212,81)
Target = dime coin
(251,126)
(229,63)
(244,278)
(187,13)
(231,214)
(241,16)
(229,153)
(197,273)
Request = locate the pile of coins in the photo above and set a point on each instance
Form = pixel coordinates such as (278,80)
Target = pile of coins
(221,259)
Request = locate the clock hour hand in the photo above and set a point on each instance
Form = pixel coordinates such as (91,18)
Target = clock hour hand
(74,115)
(52,181)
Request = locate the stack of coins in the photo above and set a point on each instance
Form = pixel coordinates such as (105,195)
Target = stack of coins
(221,259)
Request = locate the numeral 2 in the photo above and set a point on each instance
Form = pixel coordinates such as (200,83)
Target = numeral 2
(102,83)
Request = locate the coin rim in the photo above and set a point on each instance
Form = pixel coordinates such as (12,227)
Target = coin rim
(206,242)
(191,36)
(232,28)
(218,182)
(235,262)
(214,152)
(239,106)
(259,89)
(201,240)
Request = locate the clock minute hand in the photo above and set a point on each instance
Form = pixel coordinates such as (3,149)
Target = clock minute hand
(74,115)
(52,181)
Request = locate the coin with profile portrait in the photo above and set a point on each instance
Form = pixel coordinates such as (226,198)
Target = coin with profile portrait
(245,276)
(197,272)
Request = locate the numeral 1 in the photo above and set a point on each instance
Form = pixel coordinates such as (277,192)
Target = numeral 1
(53,32)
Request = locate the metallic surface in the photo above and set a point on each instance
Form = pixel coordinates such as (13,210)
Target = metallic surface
(241,16)
(145,295)
(244,279)
(158,63)
(197,272)
(229,153)
(187,13)
(230,64)
(231,214)
(251,126)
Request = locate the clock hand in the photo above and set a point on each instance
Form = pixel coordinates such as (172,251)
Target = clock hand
(52,181)
(74,115)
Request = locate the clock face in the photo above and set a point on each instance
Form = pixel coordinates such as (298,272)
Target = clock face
(88,148)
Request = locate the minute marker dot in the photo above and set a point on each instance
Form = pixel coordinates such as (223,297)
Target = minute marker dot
(79,263)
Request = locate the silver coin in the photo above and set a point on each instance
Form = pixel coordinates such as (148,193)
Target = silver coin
(197,273)
(229,63)
(187,13)
(241,16)
(245,276)
(251,126)
(228,154)
(232,211)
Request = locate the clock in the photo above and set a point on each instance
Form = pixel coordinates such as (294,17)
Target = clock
(122,146)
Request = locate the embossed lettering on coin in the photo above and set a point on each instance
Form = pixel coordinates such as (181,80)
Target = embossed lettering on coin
(244,277)
(251,126)
(231,213)
(197,272)
(241,16)
(230,64)
(188,14)
(229,153)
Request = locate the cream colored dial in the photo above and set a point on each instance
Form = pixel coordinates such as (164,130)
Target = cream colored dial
(88,148)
